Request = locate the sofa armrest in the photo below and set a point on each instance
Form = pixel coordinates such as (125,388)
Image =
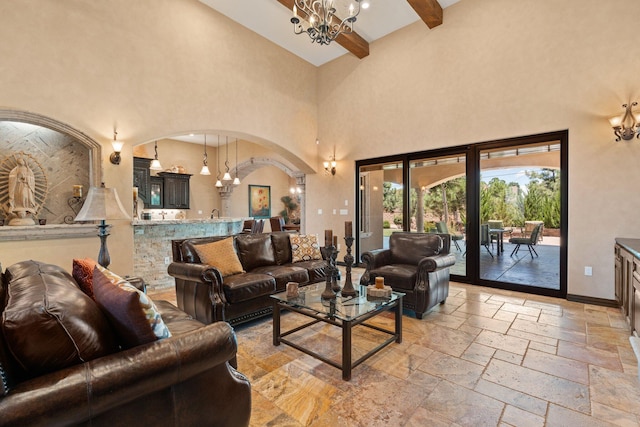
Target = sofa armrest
(436,262)
(199,291)
(77,394)
(373,259)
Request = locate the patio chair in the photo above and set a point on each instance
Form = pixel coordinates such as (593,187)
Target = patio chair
(442,228)
(530,241)
(485,239)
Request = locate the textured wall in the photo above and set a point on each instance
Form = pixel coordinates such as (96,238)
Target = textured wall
(64,160)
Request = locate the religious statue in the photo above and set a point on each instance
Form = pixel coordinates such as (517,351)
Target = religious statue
(22,185)
(23,189)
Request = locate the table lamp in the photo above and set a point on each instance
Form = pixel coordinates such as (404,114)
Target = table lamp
(102,204)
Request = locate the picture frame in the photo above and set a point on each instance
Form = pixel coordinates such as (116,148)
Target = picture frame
(260,201)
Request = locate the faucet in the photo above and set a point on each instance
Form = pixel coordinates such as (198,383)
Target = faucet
(216,211)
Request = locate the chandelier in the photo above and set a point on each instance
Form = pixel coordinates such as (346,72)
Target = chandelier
(323,25)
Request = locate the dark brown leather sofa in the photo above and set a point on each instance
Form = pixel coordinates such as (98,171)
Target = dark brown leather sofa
(416,264)
(183,380)
(266,259)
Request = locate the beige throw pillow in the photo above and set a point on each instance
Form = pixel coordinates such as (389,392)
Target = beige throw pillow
(221,255)
(304,247)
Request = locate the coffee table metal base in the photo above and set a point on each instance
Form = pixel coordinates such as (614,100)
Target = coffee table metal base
(347,326)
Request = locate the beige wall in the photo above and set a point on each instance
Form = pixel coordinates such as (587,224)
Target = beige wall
(497,69)
(153,69)
(494,69)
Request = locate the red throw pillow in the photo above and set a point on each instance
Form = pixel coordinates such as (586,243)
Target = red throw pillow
(82,272)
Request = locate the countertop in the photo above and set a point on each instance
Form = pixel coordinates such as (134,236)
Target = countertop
(632,245)
(185,221)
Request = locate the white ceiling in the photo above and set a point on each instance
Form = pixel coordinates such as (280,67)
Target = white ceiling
(271,20)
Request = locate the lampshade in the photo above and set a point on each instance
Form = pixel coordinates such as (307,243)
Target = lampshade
(101,204)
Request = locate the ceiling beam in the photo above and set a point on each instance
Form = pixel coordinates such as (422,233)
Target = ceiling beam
(429,10)
(352,42)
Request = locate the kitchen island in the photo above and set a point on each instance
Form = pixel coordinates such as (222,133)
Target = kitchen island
(152,243)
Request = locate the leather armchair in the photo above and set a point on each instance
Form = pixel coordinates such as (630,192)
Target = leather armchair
(416,264)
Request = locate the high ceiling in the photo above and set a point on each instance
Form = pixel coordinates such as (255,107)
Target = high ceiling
(271,19)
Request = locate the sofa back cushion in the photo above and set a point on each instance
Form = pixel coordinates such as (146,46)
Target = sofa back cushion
(220,254)
(255,250)
(48,322)
(410,248)
(281,246)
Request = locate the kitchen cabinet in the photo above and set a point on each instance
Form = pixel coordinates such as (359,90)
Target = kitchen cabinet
(627,280)
(176,190)
(141,178)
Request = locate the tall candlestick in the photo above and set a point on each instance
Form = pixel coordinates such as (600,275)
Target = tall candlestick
(348,229)
(328,237)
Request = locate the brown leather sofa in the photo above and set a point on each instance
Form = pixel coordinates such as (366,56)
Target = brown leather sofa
(416,264)
(267,261)
(183,380)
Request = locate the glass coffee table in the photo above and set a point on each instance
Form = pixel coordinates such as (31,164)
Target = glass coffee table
(345,312)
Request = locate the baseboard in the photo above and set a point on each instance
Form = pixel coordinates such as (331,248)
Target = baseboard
(595,301)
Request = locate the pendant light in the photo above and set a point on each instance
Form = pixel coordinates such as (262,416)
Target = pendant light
(227,175)
(155,163)
(236,180)
(218,182)
(205,167)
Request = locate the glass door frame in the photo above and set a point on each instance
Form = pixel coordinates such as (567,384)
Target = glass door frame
(472,153)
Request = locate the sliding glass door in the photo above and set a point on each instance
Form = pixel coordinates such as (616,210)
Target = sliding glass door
(503,202)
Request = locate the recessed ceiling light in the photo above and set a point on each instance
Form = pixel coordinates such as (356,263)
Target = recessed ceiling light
(365,5)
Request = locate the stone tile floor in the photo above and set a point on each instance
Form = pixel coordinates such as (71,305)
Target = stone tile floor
(485,357)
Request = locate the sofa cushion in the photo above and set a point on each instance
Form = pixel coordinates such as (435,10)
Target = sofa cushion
(304,247)
(247,286)
(221,255)
(255,250)
(284,274)
(315,268)
(49,323)
(132,314)
(398,276)
(82,272)
(410,248)
(281,246)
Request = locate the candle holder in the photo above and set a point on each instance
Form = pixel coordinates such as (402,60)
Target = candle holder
(348,290)
(328,292)
(335,273)
(75,203)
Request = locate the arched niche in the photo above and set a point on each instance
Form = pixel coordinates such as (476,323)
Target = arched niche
(65,156)
(95,149)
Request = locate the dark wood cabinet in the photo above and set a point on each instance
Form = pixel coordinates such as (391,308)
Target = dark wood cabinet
(627,280)
(176,190)
(141,178)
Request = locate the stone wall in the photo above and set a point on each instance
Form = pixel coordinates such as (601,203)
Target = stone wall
(152,245)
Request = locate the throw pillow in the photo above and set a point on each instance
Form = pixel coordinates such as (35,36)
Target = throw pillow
(82,271)
(304,247)
(132,314)
(221,255)
(48,323)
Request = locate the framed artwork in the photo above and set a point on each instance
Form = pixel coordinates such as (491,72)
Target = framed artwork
(260,201)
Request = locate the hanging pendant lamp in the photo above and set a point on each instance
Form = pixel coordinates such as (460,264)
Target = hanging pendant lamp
(218,182)
(227,175)
(205,168)
(236,180)
(155,163)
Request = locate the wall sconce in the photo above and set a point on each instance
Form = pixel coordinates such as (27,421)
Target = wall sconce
(117,148)
(330,167)
(625,126)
